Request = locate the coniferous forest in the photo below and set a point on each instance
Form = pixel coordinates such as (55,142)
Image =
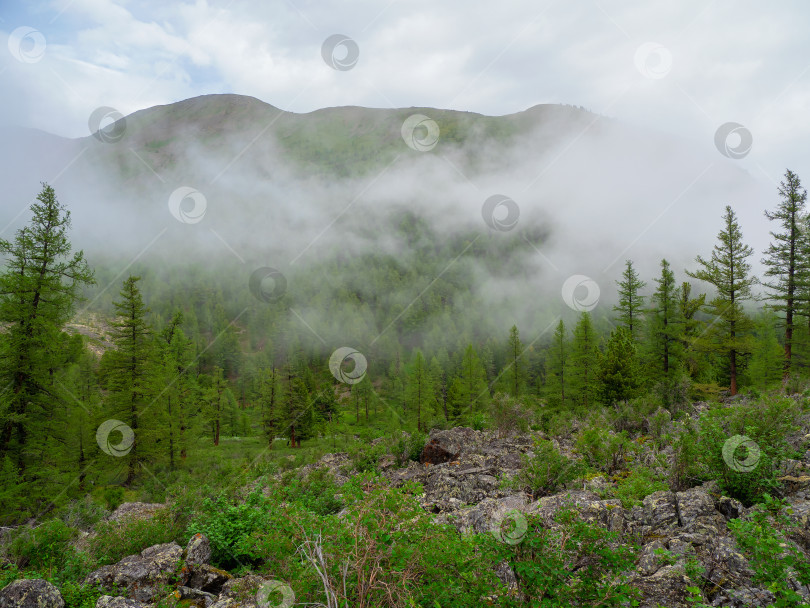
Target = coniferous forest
(184,386)
(404,304)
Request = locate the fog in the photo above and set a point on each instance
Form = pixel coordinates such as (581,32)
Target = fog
(591,192)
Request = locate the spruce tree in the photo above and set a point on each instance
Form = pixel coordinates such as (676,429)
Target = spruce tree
(786,262)
(618,368)
(728,271)
(631,302)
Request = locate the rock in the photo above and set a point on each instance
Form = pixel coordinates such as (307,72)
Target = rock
(195,597)
(725,565)
(243,593)
(446,446)
(143,576)
(693,504)
(744,598)
(667,587)
(109,601)
(489,513)
(31,593)
(198,550)
(135,510)
(731,508)
(206,578)
(661,510)
(649,563)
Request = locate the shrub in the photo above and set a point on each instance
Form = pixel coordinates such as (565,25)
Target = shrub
(508,415)
(366,457)
(603,450)
(83,513)
(639,483)
(573,564)
(546,470)
(315,493)
(767,423)
(772,558)
(228,523)
(409,447)
(42,547)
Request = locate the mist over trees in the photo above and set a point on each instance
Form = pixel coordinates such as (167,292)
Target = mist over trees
(201,359)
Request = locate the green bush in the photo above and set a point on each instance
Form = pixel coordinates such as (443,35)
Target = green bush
(113,496)
(316,493)
(228,524)
(365,457)
(773,560)
(43,547)
(603,450)
(573,564)
(547,470)
(83,513)
(767,423)
(409,447)
(639,483)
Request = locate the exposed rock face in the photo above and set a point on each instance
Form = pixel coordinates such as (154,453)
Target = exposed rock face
(446,446)
(31,593)
(244,593)
(198,550)
(143,576)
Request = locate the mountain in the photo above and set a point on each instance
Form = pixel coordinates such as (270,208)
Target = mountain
(267,187)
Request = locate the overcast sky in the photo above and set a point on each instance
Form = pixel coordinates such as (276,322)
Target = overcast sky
(683,67)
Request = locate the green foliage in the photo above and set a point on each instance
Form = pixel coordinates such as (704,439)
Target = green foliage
(547,470)
(631,302)
(641,482)
(773,559)
(618,368)
(45,547)
(576,564)
(508,414)
(728,271)
(584,360)
(229,523)
(317,492)
(603,450)
(366,458)
(408,448)
(115,540)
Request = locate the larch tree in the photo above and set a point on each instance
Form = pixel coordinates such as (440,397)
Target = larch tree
(469,388)
(514,374)
(557,366)
(631,302)
(584,362)
(729,272)
(39,288)
(785,258)
(420,388)
(665,322)
(618,368)
(131,371)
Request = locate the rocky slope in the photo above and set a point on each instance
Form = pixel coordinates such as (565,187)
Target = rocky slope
(462,473)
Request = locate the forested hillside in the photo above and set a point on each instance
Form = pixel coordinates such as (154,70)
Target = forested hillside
(174,377)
